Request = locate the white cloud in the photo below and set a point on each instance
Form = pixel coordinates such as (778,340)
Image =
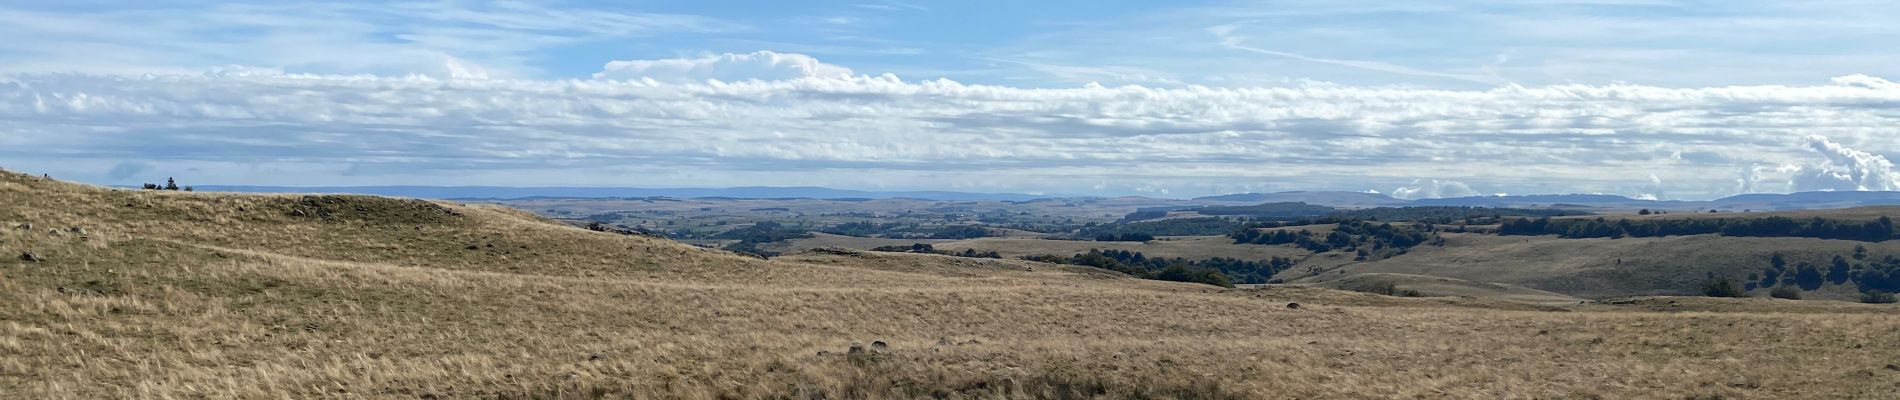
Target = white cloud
(783,119)
(1845,169)
(440,39)
(1433,189)
(761,65)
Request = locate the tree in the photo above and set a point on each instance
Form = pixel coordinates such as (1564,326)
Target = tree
(1808,277)
(1643,212)
(1877,297)
(1785,292)
(1860,252)
(171,184)
(1837,273)
(1721,287)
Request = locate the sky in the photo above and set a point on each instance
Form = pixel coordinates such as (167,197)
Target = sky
(1642,98)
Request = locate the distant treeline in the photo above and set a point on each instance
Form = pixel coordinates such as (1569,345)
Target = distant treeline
(1449,214)
(749,238)
(1293,214)
(1369,239)
(1868,276)
(907,230)
(1878,230)
(926,248)
(1205,226)
(1269,210)
(1218,271)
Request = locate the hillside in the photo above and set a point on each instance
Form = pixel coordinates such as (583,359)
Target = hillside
(210,295)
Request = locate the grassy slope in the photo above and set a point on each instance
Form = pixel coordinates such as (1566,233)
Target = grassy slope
(215,295)
(1601,268)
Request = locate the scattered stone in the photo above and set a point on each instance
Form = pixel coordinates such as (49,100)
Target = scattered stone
(945,342)
(473,247)
(54,232)
(1893,367)
(879,345)
(298,213)
(596,356)
(29,256)
(1543,332)
(970,342)
(822,353)
(26,226)
(1292,306)
(856,348)
(77,231)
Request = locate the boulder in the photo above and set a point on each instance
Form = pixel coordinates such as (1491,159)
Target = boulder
(1292,306)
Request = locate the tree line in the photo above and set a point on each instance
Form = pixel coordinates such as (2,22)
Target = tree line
(1370,240)
(1877,230)
(1217,271)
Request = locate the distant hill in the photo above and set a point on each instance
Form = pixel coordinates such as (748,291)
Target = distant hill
(503,192)
(1329,199)
(1546,200)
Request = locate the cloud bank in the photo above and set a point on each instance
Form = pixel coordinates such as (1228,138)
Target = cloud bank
(1433,189)
(1845,169)
(761,65)
(769,118)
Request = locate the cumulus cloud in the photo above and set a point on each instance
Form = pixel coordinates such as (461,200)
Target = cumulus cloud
(779,119)
(1433,189)
(1844,169)
(761,65)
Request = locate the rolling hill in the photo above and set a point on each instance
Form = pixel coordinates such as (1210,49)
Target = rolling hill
(154,294)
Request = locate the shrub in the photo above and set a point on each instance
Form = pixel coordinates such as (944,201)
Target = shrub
(1721,287)
(1382,288)
(1877,297)
(1785,292)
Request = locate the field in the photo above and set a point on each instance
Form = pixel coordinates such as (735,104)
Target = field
(206,295)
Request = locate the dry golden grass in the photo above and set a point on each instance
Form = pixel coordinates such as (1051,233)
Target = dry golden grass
(196,295)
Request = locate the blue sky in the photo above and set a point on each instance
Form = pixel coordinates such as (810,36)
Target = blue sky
(1646,98)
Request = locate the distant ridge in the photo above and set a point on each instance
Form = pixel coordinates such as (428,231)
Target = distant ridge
(1551,200)
(503,192)
(1812,197)
(1331,199)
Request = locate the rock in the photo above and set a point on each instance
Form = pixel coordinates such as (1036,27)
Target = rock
(945,342)
(26,226)
(29,256)
(298,213)
(54,232)
(856,348)
(879,345)
(596,356)
(1893,367)
(1292,306)
(77,231)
